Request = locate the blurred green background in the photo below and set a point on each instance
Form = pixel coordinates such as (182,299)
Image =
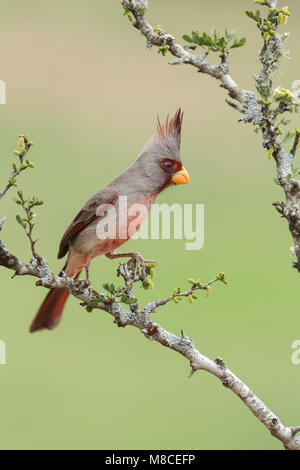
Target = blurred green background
(81,83)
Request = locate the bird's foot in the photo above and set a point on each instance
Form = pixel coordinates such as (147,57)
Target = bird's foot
(83,284)
(87,282)
(140,263)
(136,261)
(87,274)
(88,285)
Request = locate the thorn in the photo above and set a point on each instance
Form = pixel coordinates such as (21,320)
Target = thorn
(2,222)
(233,105)
(226,383)
(274,421)
(295,430)
(192,373)
(220,362)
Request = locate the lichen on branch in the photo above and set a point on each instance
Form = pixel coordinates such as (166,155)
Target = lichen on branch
(122,304)
(263,110)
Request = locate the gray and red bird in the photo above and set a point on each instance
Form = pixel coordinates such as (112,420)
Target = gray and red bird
(157,167)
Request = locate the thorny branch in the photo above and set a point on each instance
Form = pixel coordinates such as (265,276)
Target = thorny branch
(111,302)
(141,318)
(255,110)
(250,109)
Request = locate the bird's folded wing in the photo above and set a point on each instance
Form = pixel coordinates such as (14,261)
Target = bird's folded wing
(88,214)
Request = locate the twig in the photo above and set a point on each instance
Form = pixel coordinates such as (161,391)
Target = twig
(24,147)
(195,287)
(29,234)
(141,319)
(254,110)
(251,110)
(295,146)
(2,222)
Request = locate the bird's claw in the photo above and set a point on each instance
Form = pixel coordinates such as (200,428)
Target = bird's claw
(140,263)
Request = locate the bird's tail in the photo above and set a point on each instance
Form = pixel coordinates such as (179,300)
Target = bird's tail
(50,312)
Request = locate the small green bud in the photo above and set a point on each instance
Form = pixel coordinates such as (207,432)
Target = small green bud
(176,291)
(270,154)
(152,273)
(20,194)
(22,145)
(163,50)
(283,94)
(283,16)
(148,284)
(21,221)
(12,181)
(199,284)
(208,291)
(221,277)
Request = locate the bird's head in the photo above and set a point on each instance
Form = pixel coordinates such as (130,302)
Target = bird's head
(160,161)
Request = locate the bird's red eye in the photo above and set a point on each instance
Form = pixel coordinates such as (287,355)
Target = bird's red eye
(170,166)
(167,165)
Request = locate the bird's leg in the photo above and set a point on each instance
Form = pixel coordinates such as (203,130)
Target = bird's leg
(75,278)
(87,273)
(137,257)
(87,281)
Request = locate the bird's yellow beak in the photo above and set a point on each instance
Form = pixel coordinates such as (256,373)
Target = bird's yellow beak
(181,177)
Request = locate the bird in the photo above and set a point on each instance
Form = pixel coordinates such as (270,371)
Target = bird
(157,167)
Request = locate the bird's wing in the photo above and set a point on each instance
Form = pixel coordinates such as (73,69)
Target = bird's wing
(87,215)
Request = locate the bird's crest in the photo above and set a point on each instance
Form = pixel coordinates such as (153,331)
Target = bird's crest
(171,127)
